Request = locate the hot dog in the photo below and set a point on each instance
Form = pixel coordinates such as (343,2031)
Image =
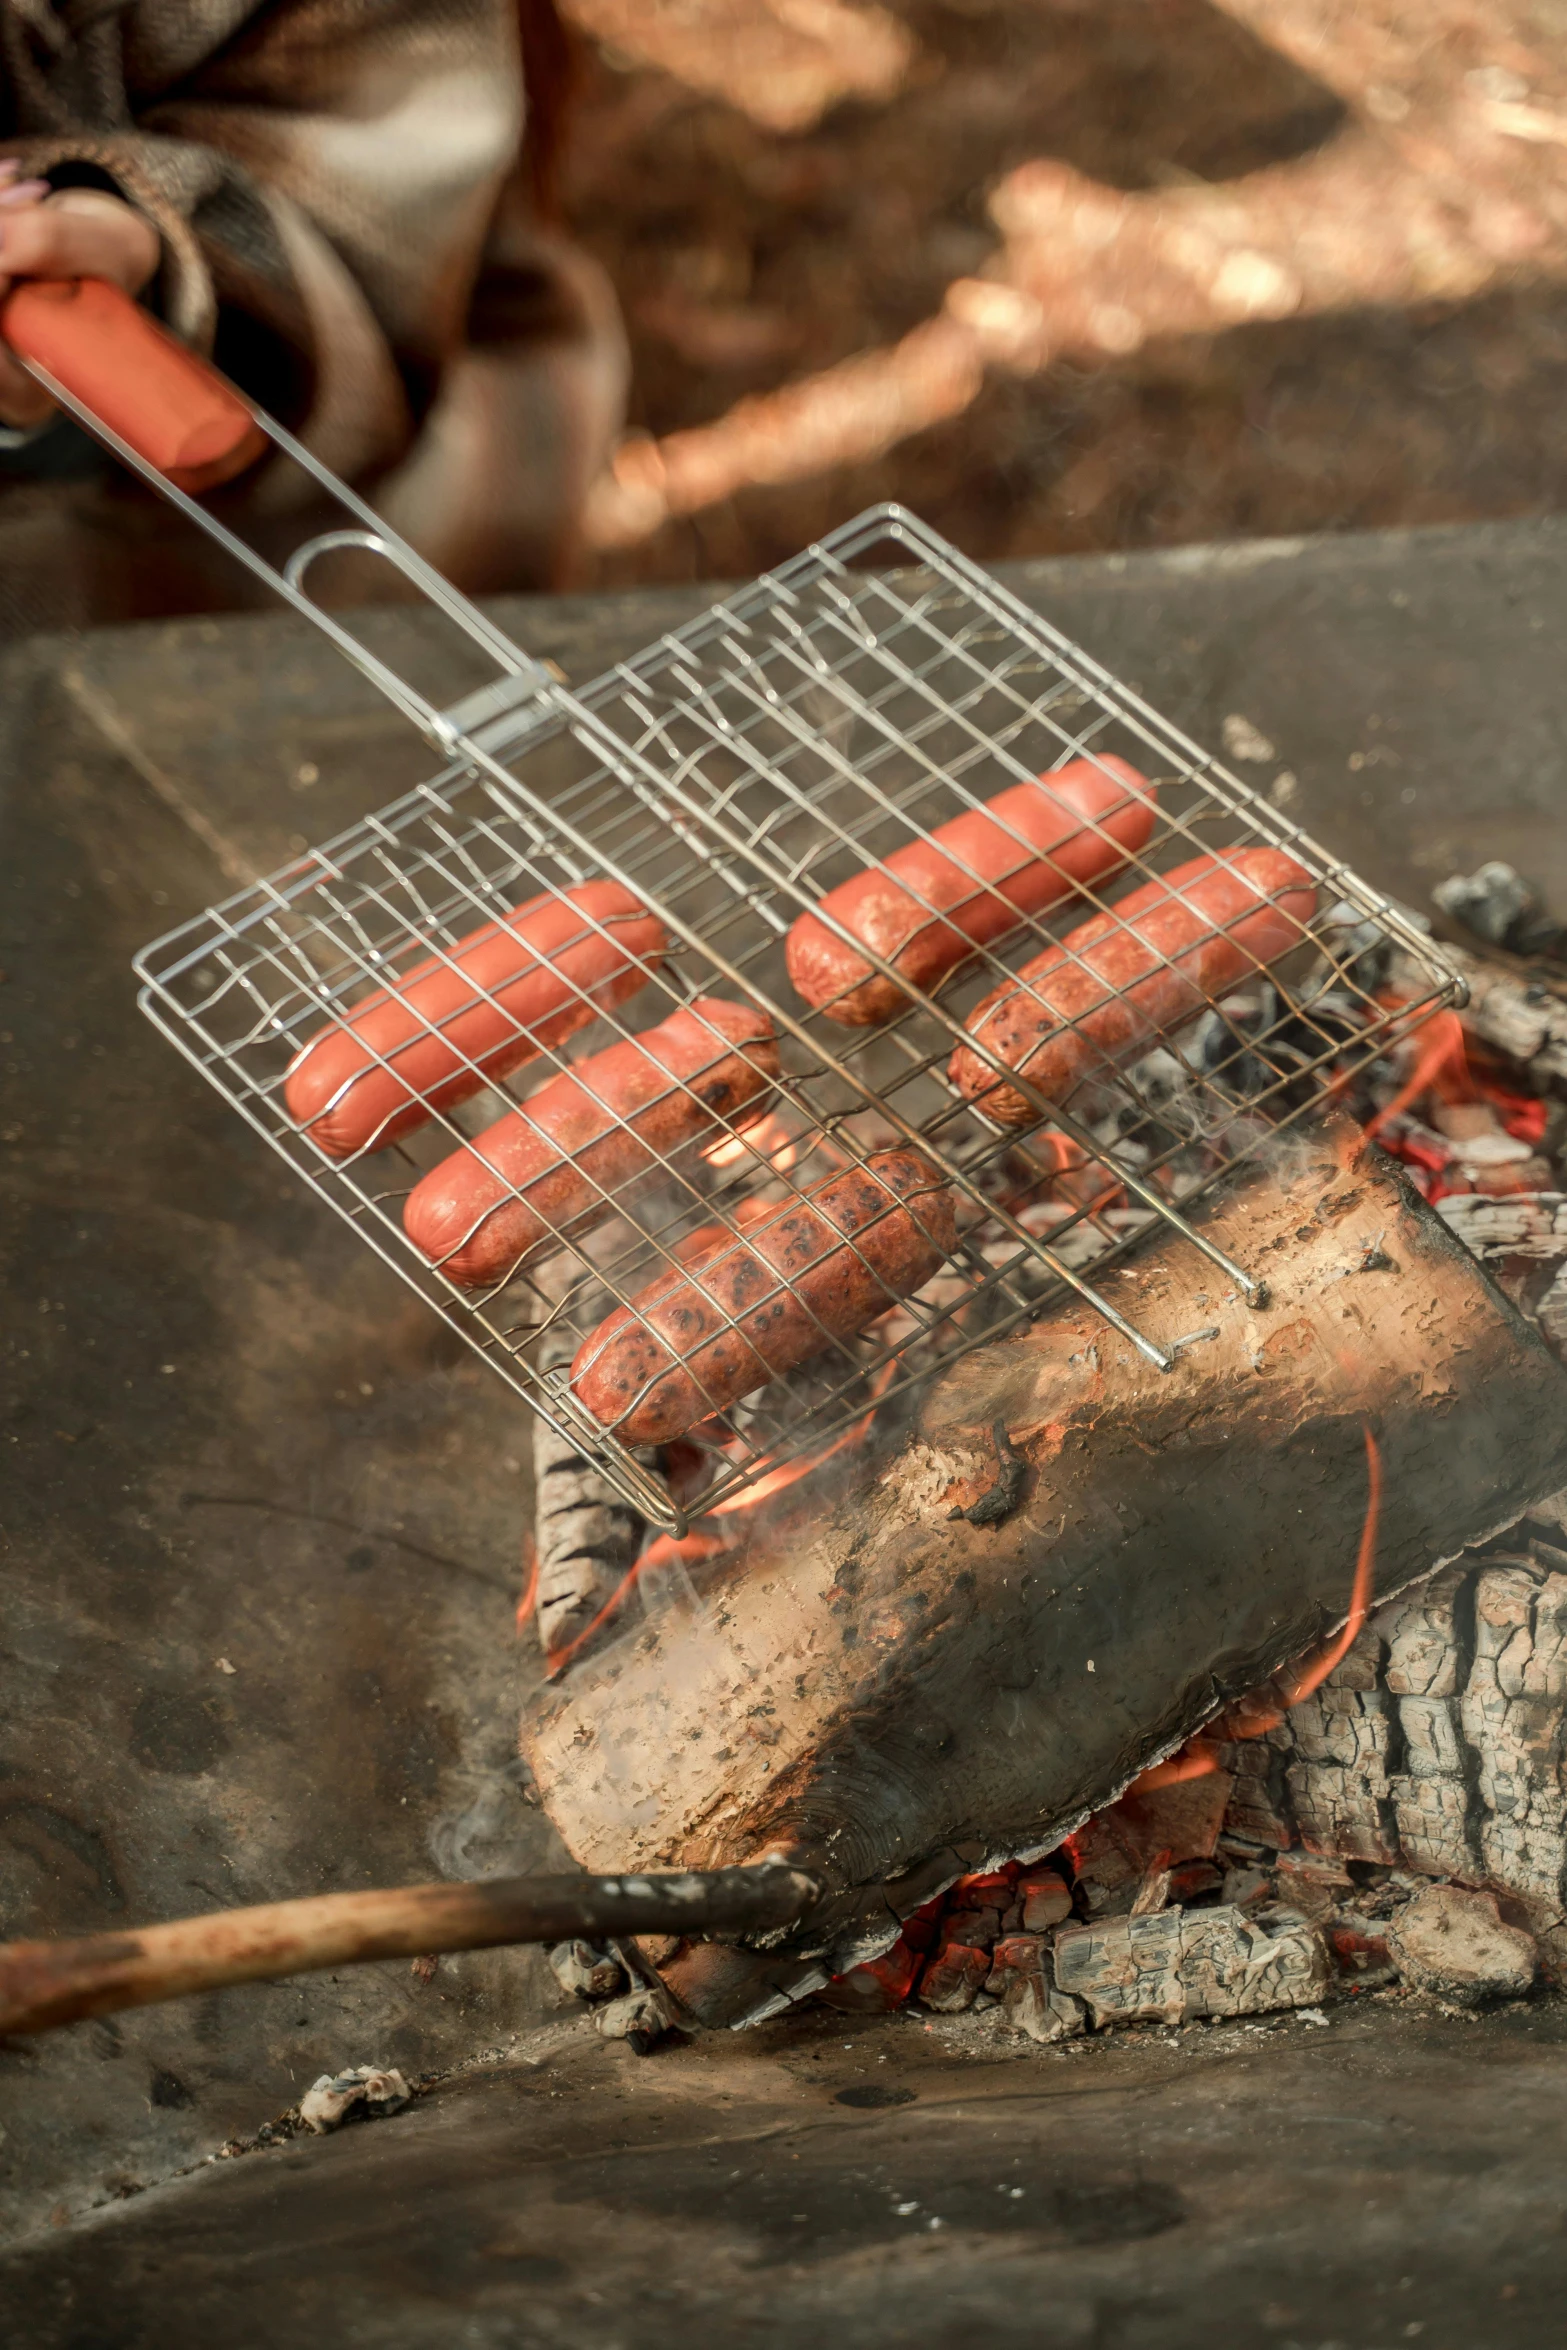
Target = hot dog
(590,1131)
(893,908)
(1138,972)
(698,1339)
(499,996)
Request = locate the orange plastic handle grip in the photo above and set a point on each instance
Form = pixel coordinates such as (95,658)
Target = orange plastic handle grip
(168,405)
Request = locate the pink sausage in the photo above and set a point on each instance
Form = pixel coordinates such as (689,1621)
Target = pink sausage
(496,999)
(1116,983)
(697,1340)
(892,908)
(592,1130)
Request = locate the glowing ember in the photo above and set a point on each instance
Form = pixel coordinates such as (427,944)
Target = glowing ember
(768,1140)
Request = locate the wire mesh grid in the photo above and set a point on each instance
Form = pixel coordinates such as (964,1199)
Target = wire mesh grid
(808,728)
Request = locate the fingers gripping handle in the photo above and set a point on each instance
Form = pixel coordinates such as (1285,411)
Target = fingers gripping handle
(104,349)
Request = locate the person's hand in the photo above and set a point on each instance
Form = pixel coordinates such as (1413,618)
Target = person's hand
(80,232)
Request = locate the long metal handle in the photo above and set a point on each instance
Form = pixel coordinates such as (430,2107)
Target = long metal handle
(43,1984)
(185,429)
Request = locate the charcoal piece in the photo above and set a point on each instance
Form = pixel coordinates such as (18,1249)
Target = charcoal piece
(1015,1954)
(1497,904)
(895,1696)
(1030,2001)
(1311,1883)
(1453,1942)
(1034,2006)
(585,1970)
(643,2016)
(1046,1900)
(1551,1313)
(1190,1880)
(876,1987)
(1359,1944)
(954,1977)
(1184,1963)
(1244,1888)
(1259,1806)
(1529,1224)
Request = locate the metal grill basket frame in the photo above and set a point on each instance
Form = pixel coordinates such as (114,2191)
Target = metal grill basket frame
(809,723)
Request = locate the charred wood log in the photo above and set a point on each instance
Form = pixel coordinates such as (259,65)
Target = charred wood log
(1468,1673)
(894,1694)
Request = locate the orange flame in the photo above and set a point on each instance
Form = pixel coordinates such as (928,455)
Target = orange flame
(1256,1715)
(530,1592)
(1197,1759)
(790,1472)
(668,1546)
(1314,1674)
(689,1548)
(1441,1064)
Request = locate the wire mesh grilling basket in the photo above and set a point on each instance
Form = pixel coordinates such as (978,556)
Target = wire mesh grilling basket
(808,726)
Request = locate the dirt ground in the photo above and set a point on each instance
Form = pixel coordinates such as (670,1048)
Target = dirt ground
(802,244)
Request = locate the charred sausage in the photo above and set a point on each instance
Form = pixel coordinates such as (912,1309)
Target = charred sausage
(1032,846)
(698,1339)
(1138,972)
(558,1162)
(497,998)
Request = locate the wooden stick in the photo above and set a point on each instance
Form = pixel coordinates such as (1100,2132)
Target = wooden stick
(43,1984)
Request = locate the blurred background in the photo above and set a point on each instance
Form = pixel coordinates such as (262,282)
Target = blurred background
(1071,274)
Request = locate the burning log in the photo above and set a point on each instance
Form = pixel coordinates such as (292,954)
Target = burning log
(894,1693)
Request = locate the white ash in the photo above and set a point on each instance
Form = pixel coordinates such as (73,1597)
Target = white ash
(364,2089)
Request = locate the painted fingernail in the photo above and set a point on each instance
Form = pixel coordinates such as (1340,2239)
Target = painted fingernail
(24,192)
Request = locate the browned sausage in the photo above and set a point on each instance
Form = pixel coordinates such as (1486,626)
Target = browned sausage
(494,1000)
(1079,822)
(547,1167)
(696,1340)
(1138,972)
